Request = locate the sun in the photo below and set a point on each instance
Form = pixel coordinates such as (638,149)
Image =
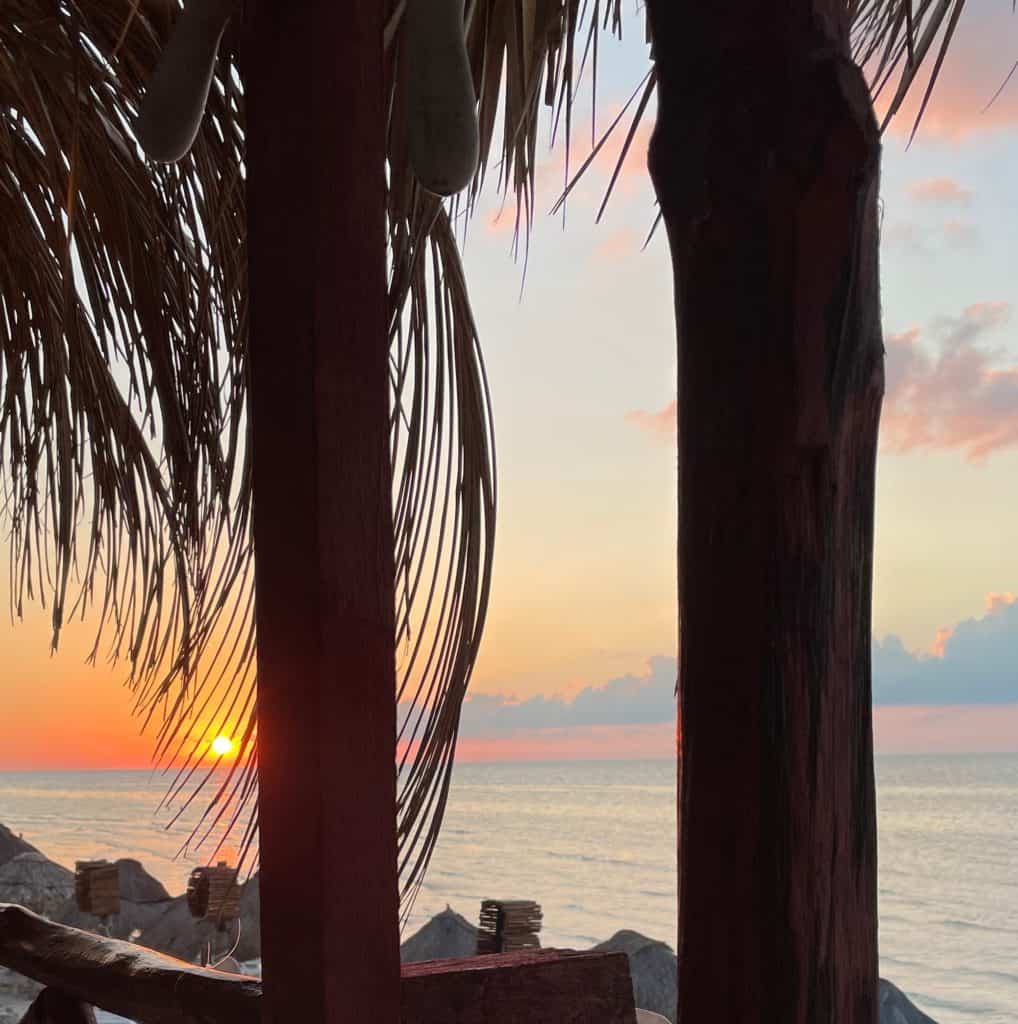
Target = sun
(222,745)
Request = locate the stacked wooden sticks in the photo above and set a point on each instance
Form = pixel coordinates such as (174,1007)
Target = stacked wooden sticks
(97,887)
(506,925)
(213,893)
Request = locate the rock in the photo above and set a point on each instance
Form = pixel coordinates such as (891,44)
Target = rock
(17,986)
(653,967)
(132,921)
(32,881)
(174,932)
(11,845)
(897,1008)
(445,935)
(137,885)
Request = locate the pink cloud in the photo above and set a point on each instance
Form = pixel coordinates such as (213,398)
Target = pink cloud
(997,602)
(618,244)
(956,398)
(551,176)
(939,647)
(977,65)
(960,234)
(660,425)
(954,395)
(939,190)
(500,220)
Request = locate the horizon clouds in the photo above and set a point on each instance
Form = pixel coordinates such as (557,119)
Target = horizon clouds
(975,662)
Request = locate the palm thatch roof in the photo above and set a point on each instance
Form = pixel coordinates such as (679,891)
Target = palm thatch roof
(124,466)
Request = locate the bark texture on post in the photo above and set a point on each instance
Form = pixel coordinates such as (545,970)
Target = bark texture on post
(766,159)
(322,510)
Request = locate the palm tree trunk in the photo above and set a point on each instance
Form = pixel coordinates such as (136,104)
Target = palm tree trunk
(322,510)
(766,159)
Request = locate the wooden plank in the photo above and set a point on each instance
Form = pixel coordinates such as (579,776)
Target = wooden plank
(524,987)
(121,977)
(54,1007)
(322,509)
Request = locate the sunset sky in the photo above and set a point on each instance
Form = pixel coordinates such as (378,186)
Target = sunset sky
(578,659)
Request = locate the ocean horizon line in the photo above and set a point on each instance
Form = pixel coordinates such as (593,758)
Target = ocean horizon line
(169,773)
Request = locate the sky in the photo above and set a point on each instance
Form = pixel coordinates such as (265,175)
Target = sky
(579,655)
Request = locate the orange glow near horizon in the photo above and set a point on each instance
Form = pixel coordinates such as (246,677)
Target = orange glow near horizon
(60,713)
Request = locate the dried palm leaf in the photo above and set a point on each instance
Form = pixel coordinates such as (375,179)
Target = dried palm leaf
(124,463)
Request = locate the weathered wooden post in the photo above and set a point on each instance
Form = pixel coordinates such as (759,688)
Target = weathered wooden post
(765,159)
(313,76)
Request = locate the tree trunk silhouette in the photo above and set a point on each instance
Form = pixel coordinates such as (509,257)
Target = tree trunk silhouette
(765,158)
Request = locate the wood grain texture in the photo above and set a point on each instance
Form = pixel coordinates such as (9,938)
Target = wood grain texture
(122,977)
(765,159)
(526,987)
(322,510)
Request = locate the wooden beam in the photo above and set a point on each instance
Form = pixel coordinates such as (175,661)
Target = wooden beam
(532,987)
(121,977)
(525,987)
(322,509)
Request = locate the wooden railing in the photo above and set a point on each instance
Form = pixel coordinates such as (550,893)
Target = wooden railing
(81,970)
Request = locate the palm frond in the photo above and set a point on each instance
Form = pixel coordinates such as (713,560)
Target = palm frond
(124,455)
(893,40)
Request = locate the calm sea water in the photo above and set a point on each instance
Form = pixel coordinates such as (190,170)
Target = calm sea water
(593,842)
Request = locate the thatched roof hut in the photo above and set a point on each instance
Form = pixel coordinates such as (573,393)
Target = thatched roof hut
(653,967)
(33,881)
(446,935)
(897,1008)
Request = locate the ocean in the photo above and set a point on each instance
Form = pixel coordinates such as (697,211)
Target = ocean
(593,843)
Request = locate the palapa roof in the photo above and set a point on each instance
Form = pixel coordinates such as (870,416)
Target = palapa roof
(124,468)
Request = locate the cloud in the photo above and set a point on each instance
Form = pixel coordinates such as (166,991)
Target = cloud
(619,244)
(661,424)
(960,695)
(958,396)
(939,190)
(973,662)
(592,742)
(978,62)
(631,700)
(954,393)
(551,174)
(960,234)
(501,219)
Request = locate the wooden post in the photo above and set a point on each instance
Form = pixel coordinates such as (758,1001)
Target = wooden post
(765,159)
(322,510)
(53,1007)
